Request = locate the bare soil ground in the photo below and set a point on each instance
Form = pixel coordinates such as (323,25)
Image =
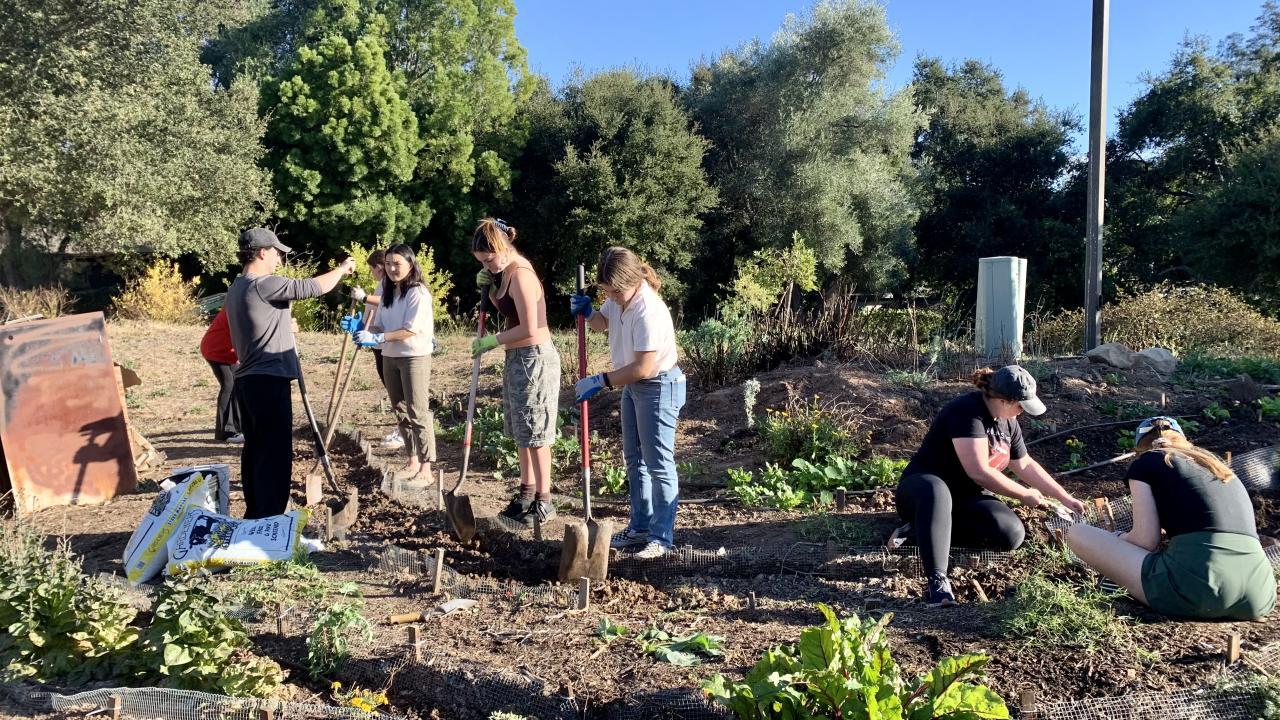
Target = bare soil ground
(174,408)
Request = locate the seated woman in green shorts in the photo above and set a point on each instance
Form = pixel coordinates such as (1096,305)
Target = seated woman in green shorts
(1214,566)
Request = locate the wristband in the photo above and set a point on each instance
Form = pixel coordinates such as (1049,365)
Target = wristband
(606,380)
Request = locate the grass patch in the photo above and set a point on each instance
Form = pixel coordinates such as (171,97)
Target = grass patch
(1046,611)
(909,378)
(1197,366)
(846,531)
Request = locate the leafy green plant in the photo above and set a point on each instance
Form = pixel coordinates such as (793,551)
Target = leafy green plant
(290,582)
(1216,413)
(1263,692)
(1125,410)
(809,430)
(689,469)
(809,483)
(1270,407)
(1075,461)
(610,631)
(844,669)
(1113,378)
(1198,366)
(612,480)
(59,624)
(1047,611)
(911,378)
(328,644)
(1125,441)
(771,490)
(684,651)
(1189,426)
(191,644)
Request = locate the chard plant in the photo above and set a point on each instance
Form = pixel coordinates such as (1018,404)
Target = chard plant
(844,669)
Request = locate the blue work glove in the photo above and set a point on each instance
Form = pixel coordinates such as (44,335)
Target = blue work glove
(364,338)
(580,305)
(352,323)
(588,387)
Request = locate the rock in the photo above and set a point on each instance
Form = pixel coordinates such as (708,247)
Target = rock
(1158,359)
(1113,354)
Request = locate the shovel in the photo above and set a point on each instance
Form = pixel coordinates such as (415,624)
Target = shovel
(343,512)
(585,552)
(458,507)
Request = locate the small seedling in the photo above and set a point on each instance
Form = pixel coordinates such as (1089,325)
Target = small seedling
(1216,413)
(1125,442)
(1076,460)
(1113,378)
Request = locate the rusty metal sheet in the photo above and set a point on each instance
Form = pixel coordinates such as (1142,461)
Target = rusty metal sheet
(63,431)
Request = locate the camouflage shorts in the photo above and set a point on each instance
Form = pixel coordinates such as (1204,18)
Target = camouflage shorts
(531,394)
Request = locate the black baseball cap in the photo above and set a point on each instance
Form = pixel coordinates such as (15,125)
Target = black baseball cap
(260,237)
(1015,383)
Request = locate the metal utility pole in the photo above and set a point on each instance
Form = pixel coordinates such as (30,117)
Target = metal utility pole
(1097,173)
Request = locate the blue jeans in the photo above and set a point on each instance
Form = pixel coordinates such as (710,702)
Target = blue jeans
(649,412)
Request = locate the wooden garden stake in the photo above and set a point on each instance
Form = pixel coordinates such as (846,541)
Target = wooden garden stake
(117,706)
(752,602)
(977,589)
(1059,537)
(1233,648)
(1053,428)
(974,561)
(1027,700)
(842,499)
(279,608)
(440,490)
(1164,401)
(1227,457)
(415,642)
(1105,511)
(537,528)
(266,714)
(584,593)
(438,572)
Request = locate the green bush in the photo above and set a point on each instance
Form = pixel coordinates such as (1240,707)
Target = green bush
(1195,319)
(312,314)
(328,644)
(844,669)
(808,429)
(716,352)
(159,294)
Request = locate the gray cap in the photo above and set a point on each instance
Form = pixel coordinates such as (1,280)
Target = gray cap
(260,237)
(1015,383)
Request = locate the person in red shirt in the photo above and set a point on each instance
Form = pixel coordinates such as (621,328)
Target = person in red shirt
(215,347)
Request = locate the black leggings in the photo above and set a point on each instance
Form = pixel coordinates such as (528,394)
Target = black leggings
(938,517)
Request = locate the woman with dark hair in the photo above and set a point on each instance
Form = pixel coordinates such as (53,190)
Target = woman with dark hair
(403,327)
(531,370)
(643,354)
(970,444)
(1214,566)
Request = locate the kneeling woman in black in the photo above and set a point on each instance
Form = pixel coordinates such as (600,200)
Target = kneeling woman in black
(966,451)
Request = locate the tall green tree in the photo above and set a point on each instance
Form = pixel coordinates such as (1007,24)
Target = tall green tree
(113,141)
(1190,167)
(805,139)
(991,166)
(343,143)
(612,160)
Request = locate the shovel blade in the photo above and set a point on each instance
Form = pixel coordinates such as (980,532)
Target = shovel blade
(599,533)
(461,517)
(573,553)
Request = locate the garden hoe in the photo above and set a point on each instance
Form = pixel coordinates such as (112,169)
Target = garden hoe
(585,552)
(337,396)
(458,507)
(344,510)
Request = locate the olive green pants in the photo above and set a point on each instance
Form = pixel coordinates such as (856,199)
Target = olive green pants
(1210,575)
(408,382)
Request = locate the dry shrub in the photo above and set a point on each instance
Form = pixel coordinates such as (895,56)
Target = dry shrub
(159,294)
(1186,319)
(50,301)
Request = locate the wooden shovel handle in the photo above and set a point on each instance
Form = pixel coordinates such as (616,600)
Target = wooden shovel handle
(403,618)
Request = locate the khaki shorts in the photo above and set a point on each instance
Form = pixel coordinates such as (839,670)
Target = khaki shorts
(531,394)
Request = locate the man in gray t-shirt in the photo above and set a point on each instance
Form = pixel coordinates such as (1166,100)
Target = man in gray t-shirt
(262,334)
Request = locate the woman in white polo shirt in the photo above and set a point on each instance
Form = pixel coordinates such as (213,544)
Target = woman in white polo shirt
(404,328)
(642,349)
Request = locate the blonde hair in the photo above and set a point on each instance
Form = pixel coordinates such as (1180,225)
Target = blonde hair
(493,235)
(1164,438)
(622,270)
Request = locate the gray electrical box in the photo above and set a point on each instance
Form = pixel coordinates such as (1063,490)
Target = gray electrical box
(1002,292)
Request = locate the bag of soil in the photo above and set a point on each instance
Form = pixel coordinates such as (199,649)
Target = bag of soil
(145,555)
(222,473)
(216,542)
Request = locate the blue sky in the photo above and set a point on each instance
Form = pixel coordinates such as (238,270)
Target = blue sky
(1041,45)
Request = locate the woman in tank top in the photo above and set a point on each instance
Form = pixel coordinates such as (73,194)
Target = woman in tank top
(531,369)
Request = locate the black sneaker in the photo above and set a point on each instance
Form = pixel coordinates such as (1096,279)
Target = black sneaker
(938,591)
(517,510)
(543,510)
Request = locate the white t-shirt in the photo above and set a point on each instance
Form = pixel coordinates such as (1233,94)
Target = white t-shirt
(411,312)
(644,325)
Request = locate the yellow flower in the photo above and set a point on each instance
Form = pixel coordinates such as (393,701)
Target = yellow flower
(335,685)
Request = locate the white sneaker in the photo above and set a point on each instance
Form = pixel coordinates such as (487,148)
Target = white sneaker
(652,551)
(237,439)
(393,440)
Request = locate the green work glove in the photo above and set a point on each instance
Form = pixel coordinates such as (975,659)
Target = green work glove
(484,344)
(484,279)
